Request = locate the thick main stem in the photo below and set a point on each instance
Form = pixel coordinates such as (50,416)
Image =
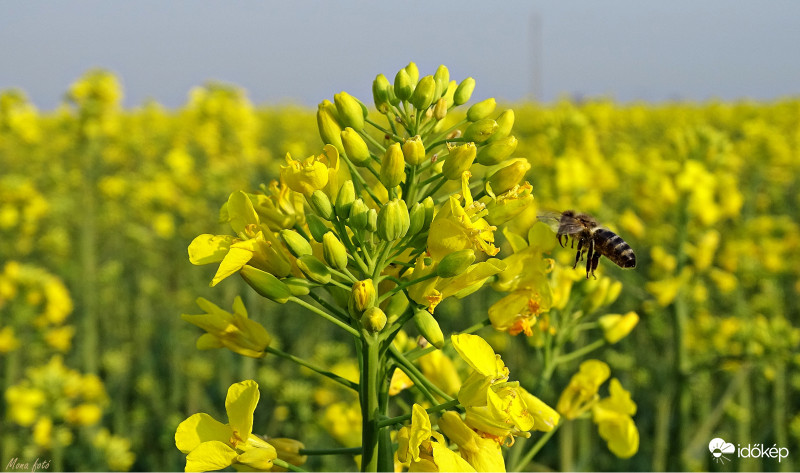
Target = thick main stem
(370,405)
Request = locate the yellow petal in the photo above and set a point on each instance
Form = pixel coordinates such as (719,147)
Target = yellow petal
(233,262)
(210,456)
(200,428)
(207,248)
(241,212)
(240,404)
(477,353)
(448,460)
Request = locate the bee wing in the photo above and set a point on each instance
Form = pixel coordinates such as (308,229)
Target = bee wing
(560,223)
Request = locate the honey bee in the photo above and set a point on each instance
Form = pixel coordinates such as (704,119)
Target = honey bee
(593,240)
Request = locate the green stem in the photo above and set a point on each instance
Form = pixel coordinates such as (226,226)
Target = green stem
(523,462)
(335,311)
(330,451)
(409,367)
(432,410)
(404,285)
(420,352)
(335,377)
(326,316)
(370,405)
(579,352)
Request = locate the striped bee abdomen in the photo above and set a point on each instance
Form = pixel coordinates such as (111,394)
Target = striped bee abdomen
(613,247)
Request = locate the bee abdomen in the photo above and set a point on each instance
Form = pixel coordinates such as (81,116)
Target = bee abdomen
(613,247)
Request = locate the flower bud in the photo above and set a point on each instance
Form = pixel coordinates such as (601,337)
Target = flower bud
(430,209)
(298,286)
(334,251)
(363,295)
(265,284)
(374,319)
(414,151)
(450,93)
(505,121)
(344,200)
(289,450)
(440,109)
(509,176)
(321,204)
(464,91)
(459,159)
(429,328)
(393,166)
(359,213)
(422,98)
(496,151)
(403,87)
(442,78)
(481,110)
(314,269)
(350,112)
(455,263)
(416,219)
(398,304)
(480,130)
(316,227)
(296,244)
(616,327)
(329,128)
(355,147)
(413,72)
(382,93)
(372,220)
(393,220)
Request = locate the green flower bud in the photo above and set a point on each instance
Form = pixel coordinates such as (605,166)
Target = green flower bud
(398,304)
(440,109)
(363,295)
(329,128)
(314,269)
(459,159)
(355,147)
(374,319)
(480,130)
(345,198)
(296,244)
(334,251)
(298,286)
(509,176)
(430,209)
(382,93)
(449,94)
(403,87)
(359,214)
(429,328)
(350,112)
(321,204)
(416,219)
(372,220)
(464,91)
(496,151)
(455,263)
(442,78)
(316,227)
(505,121)
(422,98)
(481,110)
(413,72)
(414,151)
(393,166)
(393,220)
(265,284)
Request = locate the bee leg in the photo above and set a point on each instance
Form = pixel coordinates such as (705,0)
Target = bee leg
(560,236)
(578,255)
(589,258)
(595,262)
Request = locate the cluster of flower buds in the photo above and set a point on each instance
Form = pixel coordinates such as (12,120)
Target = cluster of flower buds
(384,212)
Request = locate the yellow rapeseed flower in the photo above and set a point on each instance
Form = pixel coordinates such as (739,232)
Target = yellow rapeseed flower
(581,392)
(232,330)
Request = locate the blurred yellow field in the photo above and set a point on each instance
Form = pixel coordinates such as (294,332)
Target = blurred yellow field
(98,205)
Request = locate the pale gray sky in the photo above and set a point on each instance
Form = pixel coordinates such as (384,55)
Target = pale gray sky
(304,51)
